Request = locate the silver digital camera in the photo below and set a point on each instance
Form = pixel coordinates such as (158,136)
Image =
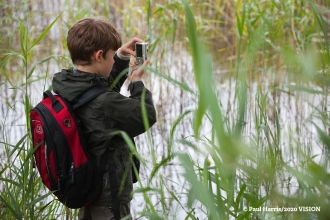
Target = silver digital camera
(141,49)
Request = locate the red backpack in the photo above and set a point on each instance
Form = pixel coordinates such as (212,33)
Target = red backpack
(64,165)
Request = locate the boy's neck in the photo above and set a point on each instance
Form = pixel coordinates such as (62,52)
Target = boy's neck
(88,69)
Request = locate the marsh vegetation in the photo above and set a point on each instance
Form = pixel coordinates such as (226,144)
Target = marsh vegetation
(241,90)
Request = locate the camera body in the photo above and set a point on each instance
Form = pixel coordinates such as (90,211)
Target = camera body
(141,49)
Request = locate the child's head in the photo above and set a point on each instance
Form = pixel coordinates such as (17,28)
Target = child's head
(90,35)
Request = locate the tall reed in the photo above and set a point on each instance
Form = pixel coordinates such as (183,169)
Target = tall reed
(23,194)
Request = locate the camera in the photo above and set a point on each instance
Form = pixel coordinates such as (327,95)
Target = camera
(141,49)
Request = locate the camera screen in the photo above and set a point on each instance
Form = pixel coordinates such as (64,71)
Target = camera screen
(138,50)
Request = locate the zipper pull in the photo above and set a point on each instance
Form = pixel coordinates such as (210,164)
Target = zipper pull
(72,173)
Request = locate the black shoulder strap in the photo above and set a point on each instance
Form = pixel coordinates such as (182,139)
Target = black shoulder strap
(113,180)
(88,95)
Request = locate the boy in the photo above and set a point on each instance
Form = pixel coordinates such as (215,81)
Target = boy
(96,51)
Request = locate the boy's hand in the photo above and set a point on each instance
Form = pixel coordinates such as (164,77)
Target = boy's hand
(129,48)
(139,72)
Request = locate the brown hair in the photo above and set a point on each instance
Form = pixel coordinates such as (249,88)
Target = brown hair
(89,35)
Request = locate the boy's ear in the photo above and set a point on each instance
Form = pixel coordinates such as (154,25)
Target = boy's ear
(97,55)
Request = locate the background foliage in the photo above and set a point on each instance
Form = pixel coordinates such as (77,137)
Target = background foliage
(241,91)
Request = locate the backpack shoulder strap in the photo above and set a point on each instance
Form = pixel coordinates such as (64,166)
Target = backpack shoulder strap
(88,95)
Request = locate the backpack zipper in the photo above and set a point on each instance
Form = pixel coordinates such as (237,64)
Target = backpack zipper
(71,172)
(58,128)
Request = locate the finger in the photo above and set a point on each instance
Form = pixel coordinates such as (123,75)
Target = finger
(145,63)
(136,39)
(131,52)
(132,42)
(132,72)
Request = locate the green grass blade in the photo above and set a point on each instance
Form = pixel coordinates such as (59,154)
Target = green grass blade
(115,81)
(45,32)
(177,121)
(15,204)
(242,102)
(324,138)
(12,182)
(17,147)
(181,85)
(299,88)
(39,199)
(11,55)
(38,63)
(5,60)
(197,190)
(23,39)
(240,20)
(239,197)
(18,215)
(158,166)
(320,19)
(147,126)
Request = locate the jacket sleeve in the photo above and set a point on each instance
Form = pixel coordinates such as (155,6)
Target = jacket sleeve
(125,113)
(119,66)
